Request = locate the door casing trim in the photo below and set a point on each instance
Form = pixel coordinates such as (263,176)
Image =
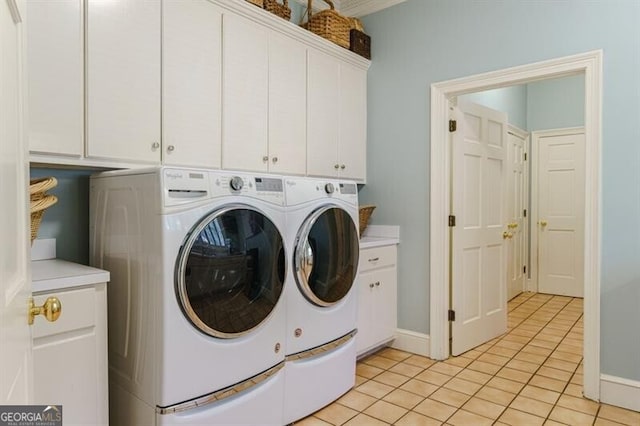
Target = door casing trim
(589,64)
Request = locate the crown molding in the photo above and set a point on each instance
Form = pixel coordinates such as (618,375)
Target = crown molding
(358,8)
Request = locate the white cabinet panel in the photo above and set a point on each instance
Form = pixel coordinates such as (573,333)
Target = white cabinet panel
(323,93)
(123,79)
(55,65)
(337,118)
(352,147)
(191,95)
(69,356)
(287,105)
(245,94)
(377,297)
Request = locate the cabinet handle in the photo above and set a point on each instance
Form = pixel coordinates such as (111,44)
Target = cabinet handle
(155,145)
(274,159)
(336,166)
(377,283)
(374,259)
(371,285)
(265,159)
(171,148)
(51,309)
(343,167)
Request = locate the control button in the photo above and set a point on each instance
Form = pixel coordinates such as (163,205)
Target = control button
(329,188)
(236,183)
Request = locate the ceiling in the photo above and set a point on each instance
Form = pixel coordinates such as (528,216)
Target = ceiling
(355,8)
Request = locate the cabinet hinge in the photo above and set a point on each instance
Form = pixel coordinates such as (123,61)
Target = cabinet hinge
(451,315)
(452,220)
(525,156)
(524,269)
(453,125)
(525,212)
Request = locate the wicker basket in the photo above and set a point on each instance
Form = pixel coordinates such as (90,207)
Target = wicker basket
(259,3)
(40,201)
(329,24)
(282,10)
(364,215)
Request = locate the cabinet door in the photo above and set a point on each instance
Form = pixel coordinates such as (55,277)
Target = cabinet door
(55,55)
(287,105)
(123,79)
(244,99)
(385,311)
(352,147)
(366,289)
(191,57)
(323,114)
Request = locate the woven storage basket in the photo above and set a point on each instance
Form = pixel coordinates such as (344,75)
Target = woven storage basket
(329,24)
(40,201)
(282,10)
(259,3)
(364,214)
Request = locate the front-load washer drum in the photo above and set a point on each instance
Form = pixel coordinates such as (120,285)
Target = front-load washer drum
(326,256)
(230,271)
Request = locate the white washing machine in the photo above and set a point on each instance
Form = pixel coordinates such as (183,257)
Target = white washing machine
(322,231)
(196,305)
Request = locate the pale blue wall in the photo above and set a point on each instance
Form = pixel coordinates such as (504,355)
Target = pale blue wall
(556,103)
(68,219)
(512,100)
(420,42)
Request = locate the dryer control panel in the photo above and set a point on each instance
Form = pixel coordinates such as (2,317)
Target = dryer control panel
(270,189)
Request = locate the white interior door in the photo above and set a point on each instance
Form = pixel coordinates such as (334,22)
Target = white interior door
(16,363)
(479,194)
(516,205)
(560,220)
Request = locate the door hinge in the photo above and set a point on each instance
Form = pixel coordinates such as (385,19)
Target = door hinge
(451,315)
(453,125)
(525,156)
(525,212)
(524,269)
(452,220)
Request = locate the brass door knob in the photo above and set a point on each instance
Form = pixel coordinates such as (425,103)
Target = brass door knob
(512,225)
(51,309)
(507,235)
(543,223)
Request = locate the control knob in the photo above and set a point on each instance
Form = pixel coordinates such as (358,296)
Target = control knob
(236,183)
(328,188)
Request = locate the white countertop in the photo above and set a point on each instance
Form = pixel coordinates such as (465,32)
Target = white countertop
(379,236)
(56,274)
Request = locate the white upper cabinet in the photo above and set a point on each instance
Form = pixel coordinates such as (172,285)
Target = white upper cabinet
(323,114)
(55,64)
(123,79)
(337,118)
(287,105)
(245,94)
(352,146)
(191,83)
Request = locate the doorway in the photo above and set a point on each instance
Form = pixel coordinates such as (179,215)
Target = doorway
(591,65)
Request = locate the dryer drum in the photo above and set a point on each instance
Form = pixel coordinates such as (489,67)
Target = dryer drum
(230,271)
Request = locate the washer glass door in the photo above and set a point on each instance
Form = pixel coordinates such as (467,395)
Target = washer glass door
(326,256)
(230,271)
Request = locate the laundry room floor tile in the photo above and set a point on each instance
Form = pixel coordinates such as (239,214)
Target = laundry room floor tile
(532,375)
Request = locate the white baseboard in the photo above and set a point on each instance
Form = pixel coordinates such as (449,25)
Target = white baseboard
(411,341)
(620,392)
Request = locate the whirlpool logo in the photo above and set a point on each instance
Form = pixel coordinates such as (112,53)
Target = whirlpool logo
(30,415)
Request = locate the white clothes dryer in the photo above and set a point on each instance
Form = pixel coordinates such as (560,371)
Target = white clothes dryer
(195,303)
(322,231)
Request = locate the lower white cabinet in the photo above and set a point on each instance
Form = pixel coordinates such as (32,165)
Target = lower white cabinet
(70,354)
(377,297)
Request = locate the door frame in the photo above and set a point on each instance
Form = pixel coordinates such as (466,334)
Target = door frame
(526,136)
(535,163)
(589,64)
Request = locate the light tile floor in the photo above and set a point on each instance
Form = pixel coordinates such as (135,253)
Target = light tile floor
(530,376)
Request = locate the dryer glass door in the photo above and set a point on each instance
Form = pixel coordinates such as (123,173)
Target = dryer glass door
(326,256)
(230,271)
